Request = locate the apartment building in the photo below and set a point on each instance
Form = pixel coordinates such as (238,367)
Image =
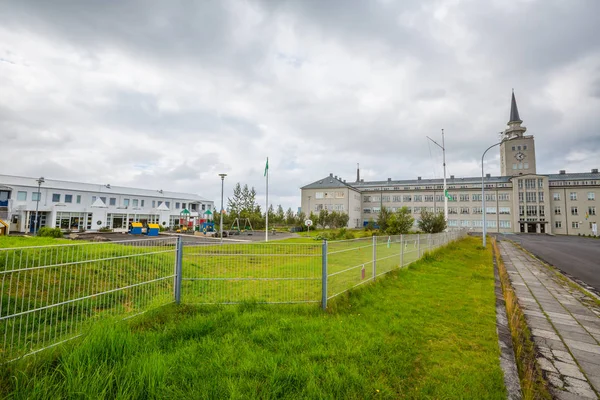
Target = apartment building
(520,200)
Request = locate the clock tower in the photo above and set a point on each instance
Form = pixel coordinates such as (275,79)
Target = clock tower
(517,155)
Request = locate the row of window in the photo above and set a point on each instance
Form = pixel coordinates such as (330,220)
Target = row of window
(531,197)
(329,195)
(573,196)
(519,148)
(532,211)
(478,223)
(575,210)
(329,207)
(451,210)
(112,201)
(574,224)
(429,198)
(530,183)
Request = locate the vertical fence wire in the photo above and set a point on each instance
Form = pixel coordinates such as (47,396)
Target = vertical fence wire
(49,294)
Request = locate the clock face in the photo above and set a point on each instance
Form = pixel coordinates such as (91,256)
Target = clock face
(519,156)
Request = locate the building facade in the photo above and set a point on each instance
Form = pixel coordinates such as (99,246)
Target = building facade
(520,200)
(88,207)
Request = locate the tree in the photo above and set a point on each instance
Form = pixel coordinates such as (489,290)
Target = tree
(342,220)
(290,219)
(271,213)
(280,215)
(383,219)
(323,218)
(235,203)
(400,222)
(431,222)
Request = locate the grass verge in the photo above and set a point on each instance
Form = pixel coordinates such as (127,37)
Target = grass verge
(533,384)
(427,331)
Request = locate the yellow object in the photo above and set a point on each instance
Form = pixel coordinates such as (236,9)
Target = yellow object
(3,228)
(153,226)
(136,225)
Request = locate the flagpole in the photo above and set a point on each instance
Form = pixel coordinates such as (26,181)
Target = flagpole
(445,188)
(267,205)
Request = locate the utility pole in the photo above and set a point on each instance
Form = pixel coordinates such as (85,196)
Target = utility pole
(445,189)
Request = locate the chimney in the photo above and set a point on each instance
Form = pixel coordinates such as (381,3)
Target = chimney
(362,180)
(562,172)
(488,175)
(451,176)
(357,172)
(389,179)
(335,176)
(594,170)
(344,181)
(331,174)
(418,178)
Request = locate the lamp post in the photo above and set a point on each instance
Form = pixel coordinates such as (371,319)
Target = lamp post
(483,186)
(37,204)
(221,223)
(443,147)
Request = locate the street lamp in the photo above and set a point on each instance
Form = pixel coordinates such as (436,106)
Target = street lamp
(37,204)
(483,185)
(221,223)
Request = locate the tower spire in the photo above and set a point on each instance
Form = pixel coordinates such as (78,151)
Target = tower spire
(514,111)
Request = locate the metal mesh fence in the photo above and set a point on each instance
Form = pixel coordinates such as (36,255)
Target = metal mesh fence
(48,294)
(262,272)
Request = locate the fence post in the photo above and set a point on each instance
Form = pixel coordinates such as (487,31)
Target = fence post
(178,262)
(324,275)
(374,256)
(401,251)
(418,246)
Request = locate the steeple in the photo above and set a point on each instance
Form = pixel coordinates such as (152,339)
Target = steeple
(514,111)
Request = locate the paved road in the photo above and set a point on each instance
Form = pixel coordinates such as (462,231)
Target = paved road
(577,256)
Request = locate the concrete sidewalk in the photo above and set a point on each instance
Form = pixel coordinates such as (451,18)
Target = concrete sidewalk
(566,330)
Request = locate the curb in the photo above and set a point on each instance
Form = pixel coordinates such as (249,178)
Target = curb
(507,353)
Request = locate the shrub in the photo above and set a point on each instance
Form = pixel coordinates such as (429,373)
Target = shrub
(105,229)
(50,232)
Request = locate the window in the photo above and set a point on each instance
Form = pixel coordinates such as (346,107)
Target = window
(464,210)
(142,203)
(521,211)
(177,205)
(376,209)
(464,197)
(113,201)
(183,205)
(530,197)
(103,199)
(514,148)
(519,148)
(514,166)
(55,197)
(153,203)
(452,222)
(526,165)
(478,223)
(477,210)
(135,202)
(319,195)
(490,210)
(339,195)
(524,147)
(575,225)
(385,199)
(558,224)
(520,183)
(438,197)
(529,183)
(490,197)
(556,196)
(452,210)
(168,204)
(367,199)
(542,211)
(429,198)
(396,199)
(574,210)
(573,195)
(126,202)
(520,165)
(591,210)
(504,224)
(504,210)
(540,183)
(78,199)
(418,198)
(407,198)
(541,197)
(68,198)
(557,210)
(504,197)
(476,197)
(520,197)
(531,211)
(490,223)
(591,196)
(21,196)
(465,223)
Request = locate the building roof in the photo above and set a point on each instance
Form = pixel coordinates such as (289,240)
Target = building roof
(329,182)
(96,188)
(575,176)
(514,111)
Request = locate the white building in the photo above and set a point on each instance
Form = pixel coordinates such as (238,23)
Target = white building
(82,206)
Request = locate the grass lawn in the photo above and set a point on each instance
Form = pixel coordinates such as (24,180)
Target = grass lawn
(427,331)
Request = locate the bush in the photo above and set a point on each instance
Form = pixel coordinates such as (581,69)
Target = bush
(105,229)
(50,232)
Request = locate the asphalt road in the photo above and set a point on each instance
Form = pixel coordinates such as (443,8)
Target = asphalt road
(577,256)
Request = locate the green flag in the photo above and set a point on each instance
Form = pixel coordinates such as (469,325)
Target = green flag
(267,167)
(447,195)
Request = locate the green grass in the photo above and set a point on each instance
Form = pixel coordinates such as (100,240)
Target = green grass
(23,241)
(427,331)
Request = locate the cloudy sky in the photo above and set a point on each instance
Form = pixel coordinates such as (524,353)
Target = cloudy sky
(168,94)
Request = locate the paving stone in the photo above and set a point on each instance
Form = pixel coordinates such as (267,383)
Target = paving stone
(546,364)
(564,395)
(580,387)
(580,337)
(590,328)
(590,318)
(581,355)
(569,328)
(569,370)
(560,316)
(534,313)
(555,379)
(545,334)
(563,356)
(595,382)
(590,348)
